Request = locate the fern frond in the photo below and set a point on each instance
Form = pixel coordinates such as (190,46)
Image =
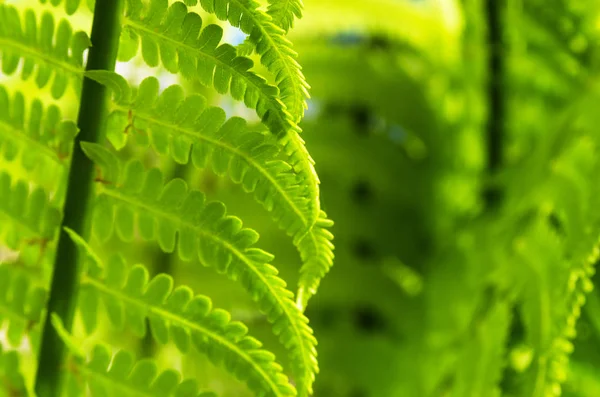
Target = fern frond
(12,381)
(46,49)
(540,253)
(174,36)
(271,44)
(176,314)
(21,304)
(560,260)
(181,127)
(120,374)
(169,125)
(28,215)
(34,133)
(206,232)
(283,12)
(316,250)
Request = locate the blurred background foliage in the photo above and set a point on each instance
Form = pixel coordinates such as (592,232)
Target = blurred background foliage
(456,143)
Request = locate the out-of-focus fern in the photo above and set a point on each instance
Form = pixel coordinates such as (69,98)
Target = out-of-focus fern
(11,378)
(502,289)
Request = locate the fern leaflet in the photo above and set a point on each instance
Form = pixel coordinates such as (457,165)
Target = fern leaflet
(21,304)
(120,374)
(173,36)
(173,124)
(34,219)
(275,50)
(40,130)
(11,378)
(178,315)
(168,124)
(206,233)
(48,50)
(283,12)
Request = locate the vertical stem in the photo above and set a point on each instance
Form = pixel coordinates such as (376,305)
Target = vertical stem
(496,116)
(106,29)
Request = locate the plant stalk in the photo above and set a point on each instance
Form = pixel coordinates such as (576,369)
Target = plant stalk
(496,100)
(106,28)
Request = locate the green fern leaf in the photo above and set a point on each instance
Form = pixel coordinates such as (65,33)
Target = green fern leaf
(167,123)
(29,218)
(120,374)
(172,124)
(283,12)
(33,127)
(21,304)
(35,138)
(204,232)
(175,314)
(172,36)
(271,44)
(480,366)
(47,50)
(316,250)
(12,381)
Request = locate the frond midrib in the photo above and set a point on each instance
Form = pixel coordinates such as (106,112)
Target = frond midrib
(230,148)
(229,247)
(278,110)
(168,316)
(23,51)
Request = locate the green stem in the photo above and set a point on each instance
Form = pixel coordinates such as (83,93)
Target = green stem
(496,116)
(106,29)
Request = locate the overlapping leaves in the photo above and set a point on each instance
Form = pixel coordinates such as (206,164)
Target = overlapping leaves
(130,298)
(120,374)
(173,36)
(271,44)
(33,219)
(175,125)
(13,381)
(134,199)
(184,127)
